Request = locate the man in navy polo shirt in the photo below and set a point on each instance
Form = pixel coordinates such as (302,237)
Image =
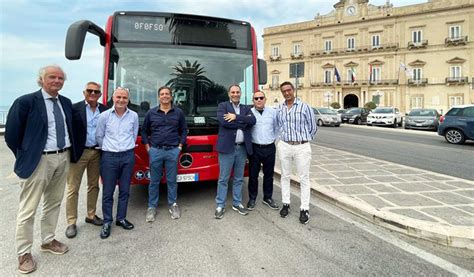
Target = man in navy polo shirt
(164,134)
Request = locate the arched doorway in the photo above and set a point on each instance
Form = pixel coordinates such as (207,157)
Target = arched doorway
(351,100)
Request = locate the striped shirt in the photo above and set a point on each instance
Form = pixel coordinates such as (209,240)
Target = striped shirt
(297,123)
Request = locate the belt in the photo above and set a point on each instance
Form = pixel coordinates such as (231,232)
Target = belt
(166,147)
(239,143)
(91,147)
(296,142)
(262,145)
(55,151)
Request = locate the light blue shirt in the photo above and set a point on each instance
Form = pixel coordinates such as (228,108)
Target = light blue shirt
(51,143)
(265,130)
(91,118)
(297,123)
(115,133)
(239,138)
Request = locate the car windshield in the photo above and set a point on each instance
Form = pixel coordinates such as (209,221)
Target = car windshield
(422,113)
(353,111)
(326,111)
(383,110)
(198,76)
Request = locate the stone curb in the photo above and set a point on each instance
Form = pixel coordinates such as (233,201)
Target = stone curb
(454,236)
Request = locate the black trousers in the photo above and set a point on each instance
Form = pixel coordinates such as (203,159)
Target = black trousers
(263,157)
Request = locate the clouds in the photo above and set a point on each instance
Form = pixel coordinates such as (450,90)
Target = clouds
(33,32)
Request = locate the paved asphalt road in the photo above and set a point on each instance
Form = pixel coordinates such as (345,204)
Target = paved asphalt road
(334,243)
(421,149)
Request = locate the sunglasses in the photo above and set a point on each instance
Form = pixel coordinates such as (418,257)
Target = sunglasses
(259,98)
(92,91)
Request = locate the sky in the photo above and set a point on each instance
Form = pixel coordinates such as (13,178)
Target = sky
(32,33)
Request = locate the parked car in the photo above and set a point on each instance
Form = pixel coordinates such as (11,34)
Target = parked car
(385,116)
(327,117)
(424,119)
(457,124)
(340,112)
(355,116)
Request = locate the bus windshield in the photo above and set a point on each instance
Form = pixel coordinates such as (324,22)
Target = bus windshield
(198,76)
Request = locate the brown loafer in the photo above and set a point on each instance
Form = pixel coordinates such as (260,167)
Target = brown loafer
(55,247)
(97,221)
(26,263)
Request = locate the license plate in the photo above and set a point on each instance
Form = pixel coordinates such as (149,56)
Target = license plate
(419,124)
(187,177)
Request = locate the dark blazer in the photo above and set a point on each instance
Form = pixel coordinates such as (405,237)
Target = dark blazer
(228,130)
(79,122)
(26,130)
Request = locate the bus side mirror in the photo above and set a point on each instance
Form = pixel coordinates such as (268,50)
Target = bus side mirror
(76,35)
(262,72)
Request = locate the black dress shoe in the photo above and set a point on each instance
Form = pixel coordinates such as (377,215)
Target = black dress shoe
(125,224)
(97,221)
(71,231)
(105,231)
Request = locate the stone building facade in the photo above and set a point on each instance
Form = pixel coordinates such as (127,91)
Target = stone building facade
(417,56)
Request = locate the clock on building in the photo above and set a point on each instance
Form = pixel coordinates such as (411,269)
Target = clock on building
(351,10)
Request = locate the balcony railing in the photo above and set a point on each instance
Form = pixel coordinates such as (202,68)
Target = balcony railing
(358,49)
(416,45)
(297,55)
(456,80)
(418,82)
(274,58)
(454,41)
(349,83)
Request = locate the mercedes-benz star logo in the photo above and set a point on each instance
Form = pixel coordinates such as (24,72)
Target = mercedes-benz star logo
(186,160)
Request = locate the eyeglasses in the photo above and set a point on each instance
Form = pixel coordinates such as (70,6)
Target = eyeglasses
(92,91)
(259,98)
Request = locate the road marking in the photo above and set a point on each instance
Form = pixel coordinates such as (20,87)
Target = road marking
(387,237)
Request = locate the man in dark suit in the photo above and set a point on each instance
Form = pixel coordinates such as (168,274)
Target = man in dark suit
(39,133)
(85,114)
(234,142)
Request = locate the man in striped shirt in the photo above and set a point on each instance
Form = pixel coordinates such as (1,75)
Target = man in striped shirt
(297,128)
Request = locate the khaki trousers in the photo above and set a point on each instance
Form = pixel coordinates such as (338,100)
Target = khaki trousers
(89,160)
(47,181)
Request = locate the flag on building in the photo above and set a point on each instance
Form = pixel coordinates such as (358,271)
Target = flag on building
(336,74)
(406,69)
(353,75)
(370,73)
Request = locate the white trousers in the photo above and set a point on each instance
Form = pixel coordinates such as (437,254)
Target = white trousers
(300,156)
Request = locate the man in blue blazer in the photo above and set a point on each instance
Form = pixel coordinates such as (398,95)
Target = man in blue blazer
(39,133)
(234,142)
(85,115)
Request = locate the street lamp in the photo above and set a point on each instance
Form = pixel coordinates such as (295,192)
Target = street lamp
(328,95)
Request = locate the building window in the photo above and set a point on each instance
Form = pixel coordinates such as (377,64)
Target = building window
(417,102)
(376,74)
(350,77)
(296,70)
(351,43)
(417,36)
(328,45)
(275,50)
(297,50)
(455,100)
(417,74)
(275,81)
(455,32)
(328,76)
(375,41)
(455,71)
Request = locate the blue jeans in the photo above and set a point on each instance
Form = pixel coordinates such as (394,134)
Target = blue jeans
(227,162)
(169,158)
(116,168)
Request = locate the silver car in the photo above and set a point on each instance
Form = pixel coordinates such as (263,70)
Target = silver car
(327,117)
(425,119)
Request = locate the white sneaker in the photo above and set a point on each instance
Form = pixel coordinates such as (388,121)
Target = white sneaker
(150,214)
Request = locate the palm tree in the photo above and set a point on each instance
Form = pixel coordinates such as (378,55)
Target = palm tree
(190,78)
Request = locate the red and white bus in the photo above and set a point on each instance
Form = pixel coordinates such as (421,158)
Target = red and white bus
(197,56)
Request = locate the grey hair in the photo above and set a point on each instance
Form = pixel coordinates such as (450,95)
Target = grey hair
(93,83)
(42,73)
